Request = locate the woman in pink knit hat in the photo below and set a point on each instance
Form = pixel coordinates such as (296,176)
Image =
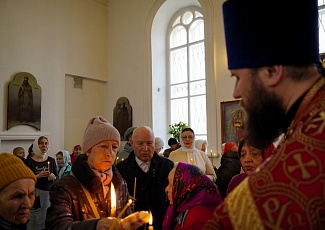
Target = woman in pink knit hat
(83,200)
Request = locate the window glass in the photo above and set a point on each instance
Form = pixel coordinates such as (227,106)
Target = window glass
(178,66)
(197,61)
(187,80)
(178,36)
(321,4)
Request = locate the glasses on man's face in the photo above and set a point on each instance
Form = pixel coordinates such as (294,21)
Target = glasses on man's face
(187,137)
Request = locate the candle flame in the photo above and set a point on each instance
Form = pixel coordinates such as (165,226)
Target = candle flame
(113,197)
(150,219)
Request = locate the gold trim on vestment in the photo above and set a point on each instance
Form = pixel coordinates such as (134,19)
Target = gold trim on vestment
(243,212)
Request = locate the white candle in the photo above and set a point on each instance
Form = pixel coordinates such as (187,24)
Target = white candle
(124,209)
(113,201)
(134,187)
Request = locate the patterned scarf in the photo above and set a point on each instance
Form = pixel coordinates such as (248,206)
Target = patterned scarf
(191,187)
(105,178)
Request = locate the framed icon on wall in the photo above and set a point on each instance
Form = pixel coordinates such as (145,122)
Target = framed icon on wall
(24,101)
(233,118)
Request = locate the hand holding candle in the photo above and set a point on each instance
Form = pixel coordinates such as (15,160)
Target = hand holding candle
(134,220)
(113,200)
(112,227)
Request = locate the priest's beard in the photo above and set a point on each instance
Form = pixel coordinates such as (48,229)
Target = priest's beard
(265,115)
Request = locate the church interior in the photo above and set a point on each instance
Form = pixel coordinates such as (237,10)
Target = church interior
(86,54)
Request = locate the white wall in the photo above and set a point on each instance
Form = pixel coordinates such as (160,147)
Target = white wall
(80,105)
(128,57)
(50,39)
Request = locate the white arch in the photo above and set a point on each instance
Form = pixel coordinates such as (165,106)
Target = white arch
(162,14)
(155,40)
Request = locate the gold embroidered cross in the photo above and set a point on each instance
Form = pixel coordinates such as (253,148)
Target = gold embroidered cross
(302,166)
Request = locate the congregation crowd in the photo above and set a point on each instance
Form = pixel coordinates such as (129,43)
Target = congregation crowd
(273,55)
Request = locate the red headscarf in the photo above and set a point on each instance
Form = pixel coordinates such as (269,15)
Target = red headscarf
(229,146)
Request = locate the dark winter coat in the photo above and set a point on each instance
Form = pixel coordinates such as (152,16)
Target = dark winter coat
(70,208)
(229,167)
(150,186)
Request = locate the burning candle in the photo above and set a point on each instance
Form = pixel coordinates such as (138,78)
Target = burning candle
(135,186)
(48,166)
(113,201)
(191,161)
(211,153)
(124,209)
(150,222)
(112,227)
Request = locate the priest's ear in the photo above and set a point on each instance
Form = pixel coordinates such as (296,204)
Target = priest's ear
(272,75)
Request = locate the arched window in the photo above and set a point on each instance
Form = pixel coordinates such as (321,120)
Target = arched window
(321,13)
(186,61)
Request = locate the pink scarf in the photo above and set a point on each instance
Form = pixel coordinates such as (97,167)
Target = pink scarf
(105,178)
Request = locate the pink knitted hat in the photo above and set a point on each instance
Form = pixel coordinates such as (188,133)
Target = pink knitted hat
(98,130)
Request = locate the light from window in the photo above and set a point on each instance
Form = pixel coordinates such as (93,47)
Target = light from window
(187,71)
(321,13)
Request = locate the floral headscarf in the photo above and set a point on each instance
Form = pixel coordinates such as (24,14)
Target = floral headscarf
(191,187)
